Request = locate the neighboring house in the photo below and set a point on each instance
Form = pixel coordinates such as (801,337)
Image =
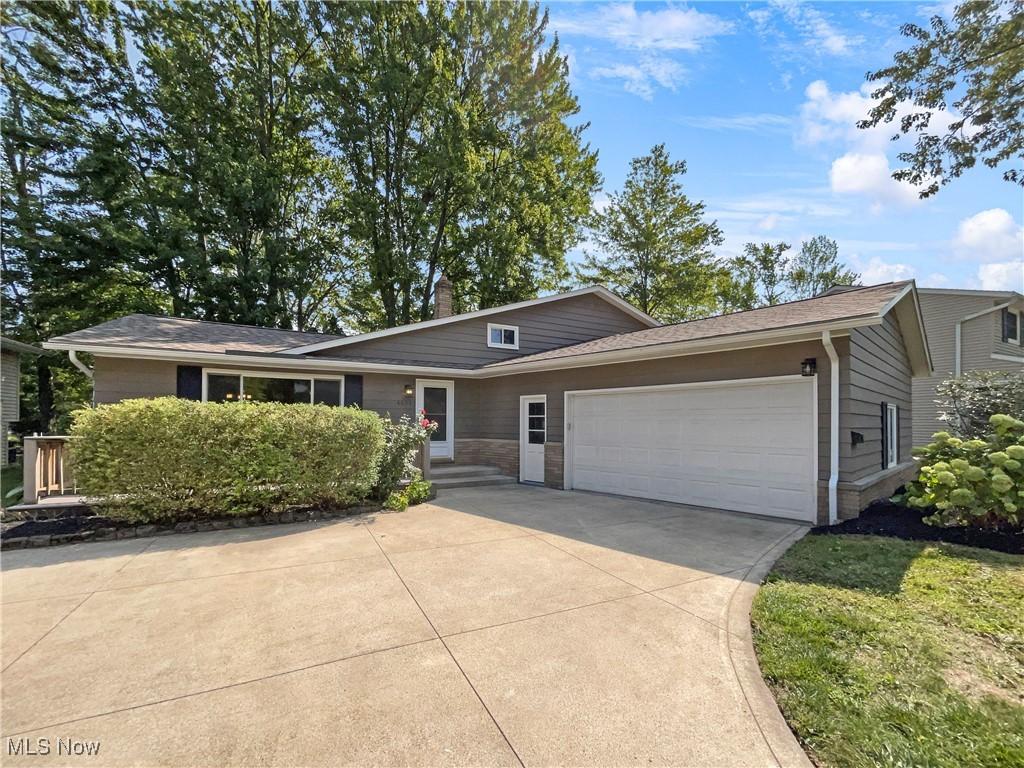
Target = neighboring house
(967,331)
(801,410)
(10,385)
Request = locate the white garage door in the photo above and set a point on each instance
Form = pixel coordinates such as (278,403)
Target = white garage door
(748,447)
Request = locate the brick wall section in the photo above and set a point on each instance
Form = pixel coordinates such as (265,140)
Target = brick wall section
(503,454)
(553,465)
(854,497)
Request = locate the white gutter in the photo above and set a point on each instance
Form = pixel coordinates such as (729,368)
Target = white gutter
(745,340)
(958,331)
(833,431)
(73,357)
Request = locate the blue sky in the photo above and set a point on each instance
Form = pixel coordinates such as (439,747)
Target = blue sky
(761,100)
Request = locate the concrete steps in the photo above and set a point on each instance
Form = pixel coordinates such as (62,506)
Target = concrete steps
(448,475)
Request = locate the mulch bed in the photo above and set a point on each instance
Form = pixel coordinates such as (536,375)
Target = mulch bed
(58,526)
(883,518)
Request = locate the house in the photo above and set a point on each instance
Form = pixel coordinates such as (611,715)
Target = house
(10,386)
(967,331)
(800,410)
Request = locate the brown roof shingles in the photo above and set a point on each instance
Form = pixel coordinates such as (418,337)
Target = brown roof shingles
(851,304)
(155,332)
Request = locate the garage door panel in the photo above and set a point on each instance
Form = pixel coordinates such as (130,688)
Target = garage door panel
(743,447)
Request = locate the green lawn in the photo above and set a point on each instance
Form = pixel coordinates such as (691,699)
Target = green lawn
(10,478)
(883,652)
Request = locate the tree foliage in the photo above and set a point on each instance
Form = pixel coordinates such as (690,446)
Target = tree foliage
(967,402)
(655,246)
(763,270)
(816,268)
(974,64)
(305,165)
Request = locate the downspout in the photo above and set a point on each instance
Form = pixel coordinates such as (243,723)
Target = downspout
(957,332)
(833,431)
(73,357)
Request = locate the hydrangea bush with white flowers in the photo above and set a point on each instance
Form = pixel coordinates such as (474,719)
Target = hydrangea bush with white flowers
(978,482)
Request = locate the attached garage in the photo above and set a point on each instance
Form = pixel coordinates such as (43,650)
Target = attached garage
(748,446)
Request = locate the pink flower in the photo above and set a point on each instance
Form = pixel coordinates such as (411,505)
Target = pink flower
(425,423)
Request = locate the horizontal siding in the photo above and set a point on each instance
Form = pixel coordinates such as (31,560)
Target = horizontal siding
(877,370)
(980,339)
(541,327)
(489,408)
(10,379)
(115,379)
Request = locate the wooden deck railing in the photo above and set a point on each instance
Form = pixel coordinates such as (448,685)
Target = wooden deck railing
(45,471)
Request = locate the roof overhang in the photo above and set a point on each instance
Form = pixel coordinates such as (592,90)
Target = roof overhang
(10,345)
(907,310)
(596,290)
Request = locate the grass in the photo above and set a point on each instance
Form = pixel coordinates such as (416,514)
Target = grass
(884,652)
(10,478)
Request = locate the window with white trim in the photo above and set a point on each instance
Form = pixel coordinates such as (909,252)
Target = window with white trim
(1011,326)
(272,387)
(503,336)
(892,435)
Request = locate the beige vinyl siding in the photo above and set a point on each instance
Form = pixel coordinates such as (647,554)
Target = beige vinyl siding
(10,405)
(489,408)
(117,378)
(464,343)
(877,371)
(980,339)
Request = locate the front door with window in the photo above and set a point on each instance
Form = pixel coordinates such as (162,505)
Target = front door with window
(437,398)
(533,434)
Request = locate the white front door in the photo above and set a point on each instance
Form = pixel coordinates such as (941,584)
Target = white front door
(533,434)
(437,398)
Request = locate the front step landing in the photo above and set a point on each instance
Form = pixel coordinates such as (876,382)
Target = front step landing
(467,476)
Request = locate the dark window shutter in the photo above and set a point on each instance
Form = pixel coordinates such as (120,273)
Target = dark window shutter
(885,434)
(353,390)
(1006,323)
(897,438)
(190,382)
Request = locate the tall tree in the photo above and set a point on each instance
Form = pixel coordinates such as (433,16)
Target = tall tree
(816,268)
(452,121)
(654,244)
(765,268)
(974,64)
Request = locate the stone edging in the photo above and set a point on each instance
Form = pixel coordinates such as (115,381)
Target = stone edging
(776,731)
(111,533)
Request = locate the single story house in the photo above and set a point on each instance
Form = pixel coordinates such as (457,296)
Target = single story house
(967,330)
(800,410)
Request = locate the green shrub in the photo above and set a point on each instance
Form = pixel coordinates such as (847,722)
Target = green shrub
(402,441)
(418,491)
(976,482)
(166,458)
(396,501)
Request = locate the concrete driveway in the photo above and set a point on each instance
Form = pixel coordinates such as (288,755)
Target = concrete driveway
(498,626)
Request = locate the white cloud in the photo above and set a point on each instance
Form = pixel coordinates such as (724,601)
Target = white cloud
(671,28)
(769,222)
(755,122)
(816,30)
(877,270)
(990,235)
(1008,276)
(642,77)
(869,174)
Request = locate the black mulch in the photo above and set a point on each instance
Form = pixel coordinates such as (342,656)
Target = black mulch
(58,526)
(883,518)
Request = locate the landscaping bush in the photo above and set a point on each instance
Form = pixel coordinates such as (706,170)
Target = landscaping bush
(967,403)
(167,458)
(402,441)
(973,482)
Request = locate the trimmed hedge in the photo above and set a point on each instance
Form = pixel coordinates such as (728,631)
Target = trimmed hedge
(151,460)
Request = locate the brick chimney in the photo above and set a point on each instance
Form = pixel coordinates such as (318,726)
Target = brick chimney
(442,297)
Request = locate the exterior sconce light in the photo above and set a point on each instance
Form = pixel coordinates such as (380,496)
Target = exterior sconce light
(409,391)
(809,366)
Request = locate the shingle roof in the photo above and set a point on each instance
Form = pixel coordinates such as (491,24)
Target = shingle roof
(155,332)
(834,307)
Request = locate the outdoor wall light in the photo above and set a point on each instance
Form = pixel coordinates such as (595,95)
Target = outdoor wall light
(409,390)
(809,366)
